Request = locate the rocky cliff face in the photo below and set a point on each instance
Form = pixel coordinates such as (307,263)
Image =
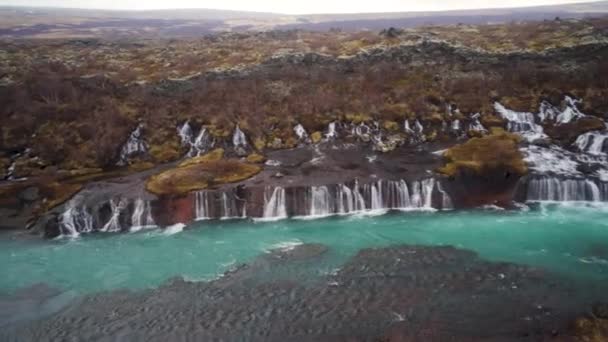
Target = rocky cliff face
(364,124)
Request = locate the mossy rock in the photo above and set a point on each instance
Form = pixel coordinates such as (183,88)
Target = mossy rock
(390,126)
(591,329)
(202,175)
(166,152)
(255,158)
(491,120)
(259,143)
(316,137)
(567,133)
(497,151)
(211,156)
(357,118)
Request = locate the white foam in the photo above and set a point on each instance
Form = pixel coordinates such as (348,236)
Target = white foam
(174,229)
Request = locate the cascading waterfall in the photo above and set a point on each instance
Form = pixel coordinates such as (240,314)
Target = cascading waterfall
(133,146)
(456,125)
(418,128)
(446,201)
(203,143)
(320,201)
(142,215)
(185,133)
(331,133)
(595,143)
(274,205)
(562,190)
(520,122)
(407,128)
(571,112)
(202,210)
(75,220)
(301,133)
(114,225)
(238,138)
(476,125)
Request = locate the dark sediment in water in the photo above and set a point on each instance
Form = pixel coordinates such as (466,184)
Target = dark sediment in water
(401,293)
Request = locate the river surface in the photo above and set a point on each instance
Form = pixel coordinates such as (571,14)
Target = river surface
(485,274)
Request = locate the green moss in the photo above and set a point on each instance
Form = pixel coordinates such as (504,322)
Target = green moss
(390,125)
(259,143)
(169,151)
(202,175)
(316,136)
(211,156)
(256,158)
(357,118)
(498,151)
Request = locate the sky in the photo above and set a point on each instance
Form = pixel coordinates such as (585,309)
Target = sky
(291,6)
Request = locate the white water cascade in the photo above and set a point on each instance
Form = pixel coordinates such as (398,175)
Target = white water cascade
(185,133)
(563,190)
(331,133)
(201,207)
(301,133)
(114,225)
(320,202)
(238,138)
(203,143)
(595,143)
(142,215)
(520,122)
(75,220)
(134,145)
(274,205)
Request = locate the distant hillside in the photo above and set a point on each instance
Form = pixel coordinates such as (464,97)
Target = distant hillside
(29,22)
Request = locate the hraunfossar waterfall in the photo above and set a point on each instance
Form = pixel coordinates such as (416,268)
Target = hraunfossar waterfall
(220,176)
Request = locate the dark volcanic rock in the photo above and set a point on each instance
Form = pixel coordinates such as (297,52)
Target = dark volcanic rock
(402,293)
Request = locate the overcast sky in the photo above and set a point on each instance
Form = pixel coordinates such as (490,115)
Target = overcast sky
(292,6)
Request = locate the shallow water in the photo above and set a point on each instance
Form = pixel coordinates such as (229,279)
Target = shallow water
(571,240)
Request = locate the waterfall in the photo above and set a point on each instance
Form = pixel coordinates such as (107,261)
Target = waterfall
(203,143)
(185,133)
(406,127)
(427,186)
(300,131)
(274,206)
(359,201)
(142,215)
(225,207)
(134,145)
(331,132)
(595,143)
(320,201)
(547,112)
(113,225)
(476,125)
(520,122)
(571,112)
(345,201)
(75,220)
(446,201)
(556,189)
(238,138)
(456,125)
(201,206)
(376,196)
(418,127)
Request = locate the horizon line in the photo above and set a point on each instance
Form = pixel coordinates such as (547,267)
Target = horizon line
(296,14)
